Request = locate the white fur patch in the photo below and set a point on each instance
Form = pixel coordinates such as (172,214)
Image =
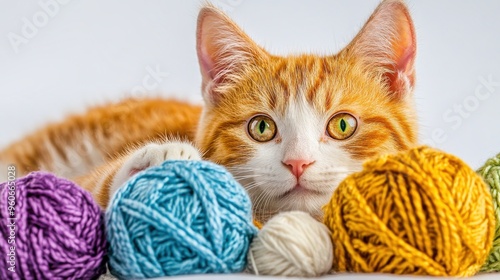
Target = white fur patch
(152,154)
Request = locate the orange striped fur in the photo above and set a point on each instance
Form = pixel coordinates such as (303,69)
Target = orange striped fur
(112,128)
(372,79)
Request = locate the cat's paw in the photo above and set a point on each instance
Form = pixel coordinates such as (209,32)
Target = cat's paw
(151,155)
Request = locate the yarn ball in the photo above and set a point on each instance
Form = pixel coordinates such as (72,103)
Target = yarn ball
(491,174)
(291,244)
(51,229)
(181,217)
(421,212)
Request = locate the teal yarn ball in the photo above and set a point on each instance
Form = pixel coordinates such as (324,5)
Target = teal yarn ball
(182,217)
(490,171)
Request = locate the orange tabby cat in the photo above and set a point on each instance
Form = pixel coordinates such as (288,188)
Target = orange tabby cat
(288,128)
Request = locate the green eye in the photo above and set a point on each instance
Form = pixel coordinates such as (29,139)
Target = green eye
(341,126)
(261,128)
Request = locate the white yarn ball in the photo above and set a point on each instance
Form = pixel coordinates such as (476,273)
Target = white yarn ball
(291,244)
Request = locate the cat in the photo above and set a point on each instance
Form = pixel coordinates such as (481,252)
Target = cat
(289,128)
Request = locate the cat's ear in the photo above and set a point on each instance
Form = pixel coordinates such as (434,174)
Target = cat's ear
(387,43)
(223,52)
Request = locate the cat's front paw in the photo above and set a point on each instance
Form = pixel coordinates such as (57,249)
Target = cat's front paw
(151,155)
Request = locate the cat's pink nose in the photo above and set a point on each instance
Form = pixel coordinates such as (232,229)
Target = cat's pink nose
(297,166)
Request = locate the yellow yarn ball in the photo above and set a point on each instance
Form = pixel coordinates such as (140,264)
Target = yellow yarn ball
(420,212)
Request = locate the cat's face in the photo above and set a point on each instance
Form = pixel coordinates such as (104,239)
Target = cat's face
(291,128)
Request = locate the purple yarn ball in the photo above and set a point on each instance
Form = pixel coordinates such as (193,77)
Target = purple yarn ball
(58,234)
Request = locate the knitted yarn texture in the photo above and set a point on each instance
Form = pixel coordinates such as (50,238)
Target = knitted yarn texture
(55,228)
(420,212)
(182,217)
(291,244)
(491,174)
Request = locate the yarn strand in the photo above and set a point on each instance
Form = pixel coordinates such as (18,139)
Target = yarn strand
(182,217)
(490,171)
(59,230)
(420,212)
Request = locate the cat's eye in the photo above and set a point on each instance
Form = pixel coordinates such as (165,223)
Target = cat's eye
(342,126)
(262,128)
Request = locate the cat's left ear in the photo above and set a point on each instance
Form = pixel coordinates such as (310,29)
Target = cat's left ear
(224,51)
(387,44)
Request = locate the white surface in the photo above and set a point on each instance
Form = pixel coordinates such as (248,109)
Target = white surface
(91,51)
(353,276)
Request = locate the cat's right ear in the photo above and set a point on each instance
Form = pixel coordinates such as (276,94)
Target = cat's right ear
(223,52)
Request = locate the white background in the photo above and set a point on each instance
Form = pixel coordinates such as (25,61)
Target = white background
(87,52)
(93,51)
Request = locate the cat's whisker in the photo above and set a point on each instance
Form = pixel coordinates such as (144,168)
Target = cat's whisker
(318,203)
(267,201)
(253,186)
(241,167)
(249,176)
(203,153)
(260,181)
(334,172)
(327,181)
(244,172)
(267,198)
(258,201)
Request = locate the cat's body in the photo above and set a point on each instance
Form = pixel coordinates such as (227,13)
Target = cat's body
(289,128)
